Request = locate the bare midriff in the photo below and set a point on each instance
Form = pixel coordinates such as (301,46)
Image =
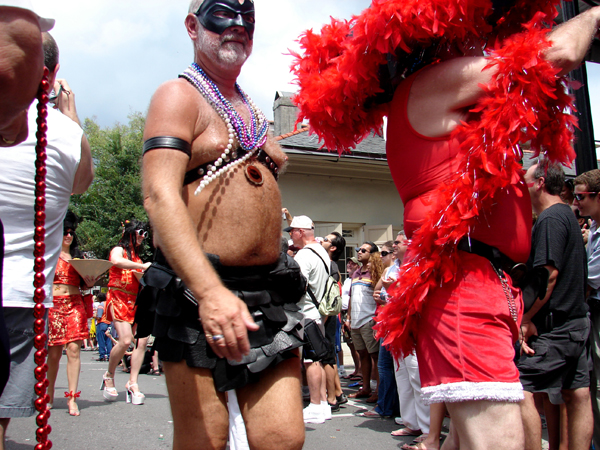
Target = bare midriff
(65,289)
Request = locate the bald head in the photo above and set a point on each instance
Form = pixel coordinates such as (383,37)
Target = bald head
(21,70)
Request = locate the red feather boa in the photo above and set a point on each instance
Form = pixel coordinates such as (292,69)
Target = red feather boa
(525,101)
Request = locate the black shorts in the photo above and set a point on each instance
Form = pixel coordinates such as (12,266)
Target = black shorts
(330,330)
(166,309)
(560,359)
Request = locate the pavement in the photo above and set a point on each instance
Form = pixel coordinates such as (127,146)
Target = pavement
(123,426)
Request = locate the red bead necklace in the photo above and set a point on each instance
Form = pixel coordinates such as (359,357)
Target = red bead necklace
(39,325)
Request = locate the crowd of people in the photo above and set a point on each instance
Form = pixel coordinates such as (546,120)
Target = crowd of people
(442,320)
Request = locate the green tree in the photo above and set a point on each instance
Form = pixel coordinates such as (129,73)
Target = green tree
(116,194)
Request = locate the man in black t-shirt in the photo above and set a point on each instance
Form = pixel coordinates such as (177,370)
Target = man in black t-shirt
(555,329)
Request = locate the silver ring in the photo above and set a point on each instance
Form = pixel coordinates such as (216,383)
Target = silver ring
(217,337)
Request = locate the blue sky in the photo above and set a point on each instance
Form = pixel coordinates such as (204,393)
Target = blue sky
(115,53)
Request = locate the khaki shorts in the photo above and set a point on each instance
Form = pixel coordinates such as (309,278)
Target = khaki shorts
(363,338)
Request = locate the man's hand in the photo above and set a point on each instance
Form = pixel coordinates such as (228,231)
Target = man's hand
(527,330)
(377,297)
(224,314)
(387,282)
(65,100)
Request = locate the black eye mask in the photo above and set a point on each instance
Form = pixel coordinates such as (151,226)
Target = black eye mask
(243,15)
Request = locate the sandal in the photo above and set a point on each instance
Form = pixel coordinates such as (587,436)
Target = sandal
(73,411)
(360,394)
(373,398)
(406,432)
(110,393)
(134,397)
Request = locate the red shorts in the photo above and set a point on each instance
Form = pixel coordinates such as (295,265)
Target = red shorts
(67,320)
(466,337)
(120,306)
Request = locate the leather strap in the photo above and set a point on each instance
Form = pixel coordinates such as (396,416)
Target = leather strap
(168,142)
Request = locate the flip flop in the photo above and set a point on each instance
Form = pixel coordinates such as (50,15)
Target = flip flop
(372,414)
(406,432)
(360,394)
(373,398)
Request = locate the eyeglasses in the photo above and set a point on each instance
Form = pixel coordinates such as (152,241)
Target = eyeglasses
(581,195)
(362,250)
(325,239)
(69,233)
(141,233)
(384,253)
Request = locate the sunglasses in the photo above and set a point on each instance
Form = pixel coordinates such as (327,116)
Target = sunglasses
(325,239)
(141,233)
(581,195)
(384,253)
(69,233)
(362,250)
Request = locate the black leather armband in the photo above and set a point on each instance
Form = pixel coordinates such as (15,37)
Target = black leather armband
(168,142)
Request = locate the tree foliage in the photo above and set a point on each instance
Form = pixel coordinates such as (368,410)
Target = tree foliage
(116,193)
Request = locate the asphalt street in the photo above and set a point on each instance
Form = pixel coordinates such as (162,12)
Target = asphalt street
(122,426)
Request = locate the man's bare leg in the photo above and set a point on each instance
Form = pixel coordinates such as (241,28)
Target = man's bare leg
(3,426)
(272,408)
(579,417)
(315,378)
(532,424)
(200,418)
(552,413)
(432,441)
(476,424)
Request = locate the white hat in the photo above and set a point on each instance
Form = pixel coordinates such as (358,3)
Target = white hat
(45,24)
(300,222)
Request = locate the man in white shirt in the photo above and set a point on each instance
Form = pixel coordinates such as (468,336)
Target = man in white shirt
(313,261)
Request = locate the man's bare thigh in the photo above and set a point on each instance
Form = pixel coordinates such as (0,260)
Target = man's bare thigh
(272,408)
(199,411)
(486,425)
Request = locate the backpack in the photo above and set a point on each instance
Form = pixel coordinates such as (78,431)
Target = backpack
(331,303)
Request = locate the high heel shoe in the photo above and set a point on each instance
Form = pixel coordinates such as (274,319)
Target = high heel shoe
(135,398)
(110,393)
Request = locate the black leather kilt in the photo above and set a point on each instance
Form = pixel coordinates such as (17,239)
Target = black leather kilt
(169,311)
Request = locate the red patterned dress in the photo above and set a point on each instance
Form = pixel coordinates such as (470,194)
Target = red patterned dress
(67,319)
(123,287)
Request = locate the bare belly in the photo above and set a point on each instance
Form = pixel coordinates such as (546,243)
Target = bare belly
(65,289)
(236,219)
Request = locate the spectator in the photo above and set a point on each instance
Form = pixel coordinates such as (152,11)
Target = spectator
(351,266)
(335,245)
(361,311)
(104,342)
(314,263)
(587,201)
(69,170)
(555,328)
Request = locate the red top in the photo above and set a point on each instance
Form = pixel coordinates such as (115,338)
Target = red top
(419,164)
(66,274)
(124,279)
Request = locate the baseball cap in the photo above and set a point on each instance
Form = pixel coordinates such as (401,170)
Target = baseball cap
(354,260)
(45,24)
(300,222)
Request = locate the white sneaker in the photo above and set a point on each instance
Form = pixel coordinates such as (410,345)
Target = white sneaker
(326,410)
(313,414)
(373,385)
(342,372)
(399,421)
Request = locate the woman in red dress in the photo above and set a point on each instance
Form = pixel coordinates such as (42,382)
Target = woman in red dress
(67,319)
(123,287)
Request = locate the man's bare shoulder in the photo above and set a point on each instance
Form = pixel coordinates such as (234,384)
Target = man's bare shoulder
(176,109)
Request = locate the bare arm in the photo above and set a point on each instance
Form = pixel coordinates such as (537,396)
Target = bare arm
(117,258)
(85,171)
(528,329)
(442,93)
(175,112)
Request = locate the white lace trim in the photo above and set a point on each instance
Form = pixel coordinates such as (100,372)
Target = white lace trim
(468,390)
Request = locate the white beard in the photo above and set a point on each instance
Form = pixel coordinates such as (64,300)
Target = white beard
(226,53)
